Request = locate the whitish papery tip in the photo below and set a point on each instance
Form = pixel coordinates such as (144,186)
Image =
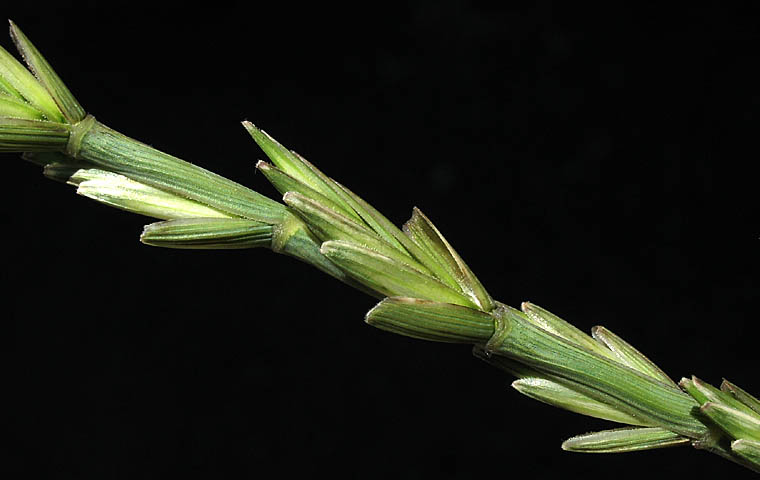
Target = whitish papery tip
(326,248)
(707,406)
(144,233)
(367,317)
(149,228)
(13,28)
(567,445)
(251,128)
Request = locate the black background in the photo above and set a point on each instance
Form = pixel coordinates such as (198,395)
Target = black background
(596,161)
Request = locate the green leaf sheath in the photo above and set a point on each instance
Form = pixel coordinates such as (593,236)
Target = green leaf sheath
(95,143)
(665,406)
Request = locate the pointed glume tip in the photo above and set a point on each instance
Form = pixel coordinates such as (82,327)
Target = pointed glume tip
(249,126)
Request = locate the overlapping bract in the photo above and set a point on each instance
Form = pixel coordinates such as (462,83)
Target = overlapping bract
(735,414)
(416,262)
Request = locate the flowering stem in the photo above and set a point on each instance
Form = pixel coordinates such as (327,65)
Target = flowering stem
(427,289)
